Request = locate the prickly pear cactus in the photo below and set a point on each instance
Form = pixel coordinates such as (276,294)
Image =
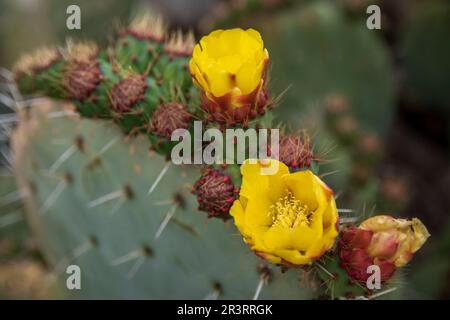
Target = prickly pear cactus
(99,196)
(92,209)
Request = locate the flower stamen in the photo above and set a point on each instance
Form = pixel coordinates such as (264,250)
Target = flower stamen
(288,212)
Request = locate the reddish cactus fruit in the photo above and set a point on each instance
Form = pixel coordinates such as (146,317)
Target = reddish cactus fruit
(355,259)
(295,151)
(169,117)
(127,93)
(215,193)
(383,241)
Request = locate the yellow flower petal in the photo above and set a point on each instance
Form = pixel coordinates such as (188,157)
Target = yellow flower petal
(303,186)
(254,183)
(219,80)
(237,212)
(293,257)
(247,78)
(259,208)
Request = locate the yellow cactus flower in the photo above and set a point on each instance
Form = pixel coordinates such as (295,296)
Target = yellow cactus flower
(229,66)
(286,218)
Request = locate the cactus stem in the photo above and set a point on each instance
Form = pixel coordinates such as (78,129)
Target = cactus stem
(159,177)
(53,196)
(11,198)
(106,198)
(62,158)
(10,219)
(169,215)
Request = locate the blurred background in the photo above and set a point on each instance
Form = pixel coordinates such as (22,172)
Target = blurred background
(375,102)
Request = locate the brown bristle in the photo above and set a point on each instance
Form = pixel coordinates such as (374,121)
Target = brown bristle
(295,151)
(148,27)
(81,52)
(37,61)
(127,93)
(169,117)
(180,44)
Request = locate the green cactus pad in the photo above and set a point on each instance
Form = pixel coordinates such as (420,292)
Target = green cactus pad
(192,257)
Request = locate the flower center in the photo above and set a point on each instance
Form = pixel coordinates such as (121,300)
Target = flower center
(289,212)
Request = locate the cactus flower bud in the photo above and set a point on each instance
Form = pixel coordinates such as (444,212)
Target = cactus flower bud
(82,72)
(230,67)
(215,193)
(127,93)
(381,240)
(169,117)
